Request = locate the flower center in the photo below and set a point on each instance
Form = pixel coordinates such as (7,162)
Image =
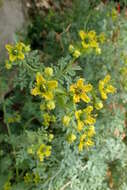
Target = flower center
(42,88)
(78,91)
(83,116)
(87,40)
(14,52)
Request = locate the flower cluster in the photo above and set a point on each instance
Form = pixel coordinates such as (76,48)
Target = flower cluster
(16,53)
(85,122)
(32,178)
(83,129)
(89,41)
(43,151)
(105,87)
(84,117)
(45,88)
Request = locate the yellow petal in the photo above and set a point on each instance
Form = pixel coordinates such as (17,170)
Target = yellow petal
(72,88)
(82,34)
(80,146)
(12,57)
(21,56)
(87,88)
(104,95)
(80,125)
(48,95)
(107,79)
(76,98)
(39,78)
(89,143)
(84,45)
(35,91)
(80,83)
(90,120)
(9,47)
(52,84)
(88,110)
(85,98)
(110,89)
(78,114)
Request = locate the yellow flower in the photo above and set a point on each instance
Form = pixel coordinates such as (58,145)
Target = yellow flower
(105,88)
(76,53)
(79,91)
(90,41)
(66,120)
(48,71)
(44,88)
(84,117)
(71,138)
(15,53)
(51,105)
(43,151)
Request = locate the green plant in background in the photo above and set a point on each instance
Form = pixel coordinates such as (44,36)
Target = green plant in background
(63,124)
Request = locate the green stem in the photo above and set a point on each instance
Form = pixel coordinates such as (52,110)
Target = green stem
(10,137)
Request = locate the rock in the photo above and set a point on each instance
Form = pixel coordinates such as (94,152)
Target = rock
(13,17)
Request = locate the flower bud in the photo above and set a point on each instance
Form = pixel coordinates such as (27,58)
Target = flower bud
(48,71)
(66,120)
